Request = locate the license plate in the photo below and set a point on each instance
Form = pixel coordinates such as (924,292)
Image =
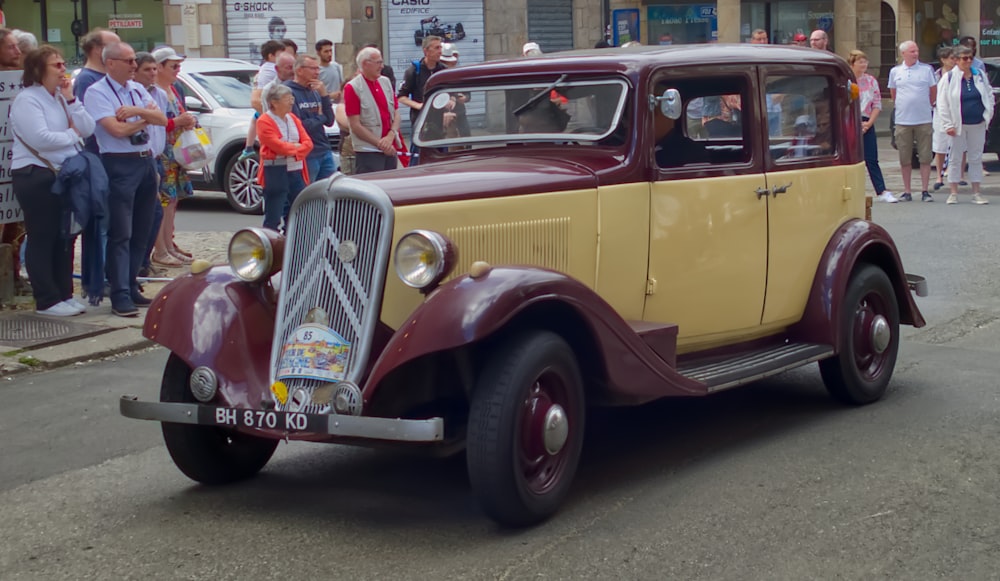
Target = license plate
(262,419)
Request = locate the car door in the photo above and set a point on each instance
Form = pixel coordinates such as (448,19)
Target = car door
(814,186)
(708,208)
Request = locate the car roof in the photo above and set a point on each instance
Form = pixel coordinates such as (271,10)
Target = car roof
(642,57)
(208,65)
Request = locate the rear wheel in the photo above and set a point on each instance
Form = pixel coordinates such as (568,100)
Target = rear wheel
(240,183)
(208,454)
(525,430)
(869,339)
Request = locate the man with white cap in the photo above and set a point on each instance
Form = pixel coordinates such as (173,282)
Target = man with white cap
(531,49)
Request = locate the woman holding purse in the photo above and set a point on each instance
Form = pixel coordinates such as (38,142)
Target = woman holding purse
(965,107)
(49,124)
(284,145)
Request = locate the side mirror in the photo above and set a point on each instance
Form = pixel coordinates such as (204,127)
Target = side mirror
(195,105)
(670,104)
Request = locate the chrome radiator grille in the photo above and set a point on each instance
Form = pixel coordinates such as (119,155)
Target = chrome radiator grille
(336,255)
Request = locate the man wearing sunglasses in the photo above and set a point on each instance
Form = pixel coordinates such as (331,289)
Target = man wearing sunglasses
(124,110)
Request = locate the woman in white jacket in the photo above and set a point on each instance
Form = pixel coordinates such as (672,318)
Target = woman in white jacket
(964,110)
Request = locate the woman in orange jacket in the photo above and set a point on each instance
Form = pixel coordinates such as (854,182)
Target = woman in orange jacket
(284,145)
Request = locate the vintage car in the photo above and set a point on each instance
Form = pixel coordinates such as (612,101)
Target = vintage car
(615,227)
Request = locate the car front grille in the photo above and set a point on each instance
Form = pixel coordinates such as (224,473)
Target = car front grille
(336,256)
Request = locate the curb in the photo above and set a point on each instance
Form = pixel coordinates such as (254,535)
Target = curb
(116,342)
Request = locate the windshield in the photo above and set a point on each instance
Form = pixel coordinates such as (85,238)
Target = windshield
(553,110)
(228,90)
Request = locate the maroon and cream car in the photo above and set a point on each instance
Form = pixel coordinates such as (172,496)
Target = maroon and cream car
(586,229)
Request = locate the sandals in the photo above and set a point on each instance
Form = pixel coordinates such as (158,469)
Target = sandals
(177,251)
(168,261)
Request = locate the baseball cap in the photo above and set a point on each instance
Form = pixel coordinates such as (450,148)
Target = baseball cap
(531,49)
(799,37)
(166,53)
(449,52)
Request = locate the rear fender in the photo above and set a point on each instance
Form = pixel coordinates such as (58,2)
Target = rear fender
(468,310)
(856,241)
(213,319)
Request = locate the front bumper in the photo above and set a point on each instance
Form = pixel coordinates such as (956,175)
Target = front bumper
(369,428)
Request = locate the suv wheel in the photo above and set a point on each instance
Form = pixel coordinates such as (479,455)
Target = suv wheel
(240,183)
(525,430)
(869,339)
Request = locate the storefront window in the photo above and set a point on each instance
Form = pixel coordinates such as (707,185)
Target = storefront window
(936,26)
(783,20)
(682,24)
(989,33)
(137,22)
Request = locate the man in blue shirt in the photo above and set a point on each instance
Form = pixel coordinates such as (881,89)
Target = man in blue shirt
(124,110)
(315,110)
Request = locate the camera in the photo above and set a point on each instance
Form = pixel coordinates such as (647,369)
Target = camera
(139,138)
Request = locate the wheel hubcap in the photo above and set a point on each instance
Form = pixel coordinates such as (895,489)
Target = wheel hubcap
(881,334)
(556,429)
(243,184)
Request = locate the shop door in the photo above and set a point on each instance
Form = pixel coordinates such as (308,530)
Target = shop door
(550,24)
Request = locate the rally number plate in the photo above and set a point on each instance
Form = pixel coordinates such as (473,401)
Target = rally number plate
(262,419)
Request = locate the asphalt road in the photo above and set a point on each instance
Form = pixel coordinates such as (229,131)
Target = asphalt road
(772,481)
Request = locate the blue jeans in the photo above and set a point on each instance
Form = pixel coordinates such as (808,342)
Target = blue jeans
(320,166)
(280,189)
(132,184)
(870,144)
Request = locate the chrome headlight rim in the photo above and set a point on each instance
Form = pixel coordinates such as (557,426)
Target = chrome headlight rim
(444,259)
(263,270)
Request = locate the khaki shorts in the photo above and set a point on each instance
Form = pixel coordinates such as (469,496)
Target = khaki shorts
(906,135)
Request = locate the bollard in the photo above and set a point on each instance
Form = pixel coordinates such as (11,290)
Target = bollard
(6,274)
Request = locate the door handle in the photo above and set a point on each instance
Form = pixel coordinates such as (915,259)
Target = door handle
(780,189)
(762,192)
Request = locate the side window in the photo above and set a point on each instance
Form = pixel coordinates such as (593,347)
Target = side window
(713,129)
(799,117)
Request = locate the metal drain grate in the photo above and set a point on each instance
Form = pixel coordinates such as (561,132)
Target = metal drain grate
(30,330)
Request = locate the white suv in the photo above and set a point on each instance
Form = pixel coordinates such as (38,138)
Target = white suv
(217,91)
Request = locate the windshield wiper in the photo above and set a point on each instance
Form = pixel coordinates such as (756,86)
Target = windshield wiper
(538,97)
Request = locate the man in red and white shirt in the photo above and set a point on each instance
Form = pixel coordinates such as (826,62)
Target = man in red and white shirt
(374,122)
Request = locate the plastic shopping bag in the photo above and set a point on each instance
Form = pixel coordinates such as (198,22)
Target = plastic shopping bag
(193,149)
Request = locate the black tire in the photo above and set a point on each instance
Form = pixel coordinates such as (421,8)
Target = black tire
(518,481)
(860,372)
(459,31)
(418,38)
(239,180)
(208,454)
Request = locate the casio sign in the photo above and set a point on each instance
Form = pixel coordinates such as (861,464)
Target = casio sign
(410,2)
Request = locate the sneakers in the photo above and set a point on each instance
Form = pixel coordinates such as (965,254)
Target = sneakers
(926,196)
(62,309)
(125,310)
(139,300)
(76,304)
(905,197)
(938,186)
(979,199)
(887,197)
(246,154)
(952,199)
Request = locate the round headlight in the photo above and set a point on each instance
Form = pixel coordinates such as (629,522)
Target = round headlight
(423,258)
(251,254)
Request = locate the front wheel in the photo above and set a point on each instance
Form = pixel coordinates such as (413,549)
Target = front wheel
(525,430)
(240,183)
(869,339)
(208,454)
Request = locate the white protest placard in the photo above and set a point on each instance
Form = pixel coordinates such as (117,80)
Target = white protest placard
(10,86)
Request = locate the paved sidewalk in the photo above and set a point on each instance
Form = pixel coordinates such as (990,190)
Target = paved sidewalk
(117,335)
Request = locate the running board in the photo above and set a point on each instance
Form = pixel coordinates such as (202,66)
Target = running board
(723,373)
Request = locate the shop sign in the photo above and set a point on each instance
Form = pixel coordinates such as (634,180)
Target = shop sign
(989,29)
(459,22)
(121,21)
(10,86)
(251,24)
(626,26)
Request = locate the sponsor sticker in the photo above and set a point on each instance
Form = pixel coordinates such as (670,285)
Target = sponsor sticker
(314,352)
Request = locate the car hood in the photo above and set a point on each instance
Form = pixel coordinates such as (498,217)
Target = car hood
(481,177)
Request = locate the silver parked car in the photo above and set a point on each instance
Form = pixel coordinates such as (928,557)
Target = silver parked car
(217,91)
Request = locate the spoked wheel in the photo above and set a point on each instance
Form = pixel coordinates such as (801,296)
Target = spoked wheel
(869,340)
(526,429)
(208,454)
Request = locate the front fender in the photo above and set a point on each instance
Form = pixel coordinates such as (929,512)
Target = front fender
(467,309)
(855,241)
(216,320)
